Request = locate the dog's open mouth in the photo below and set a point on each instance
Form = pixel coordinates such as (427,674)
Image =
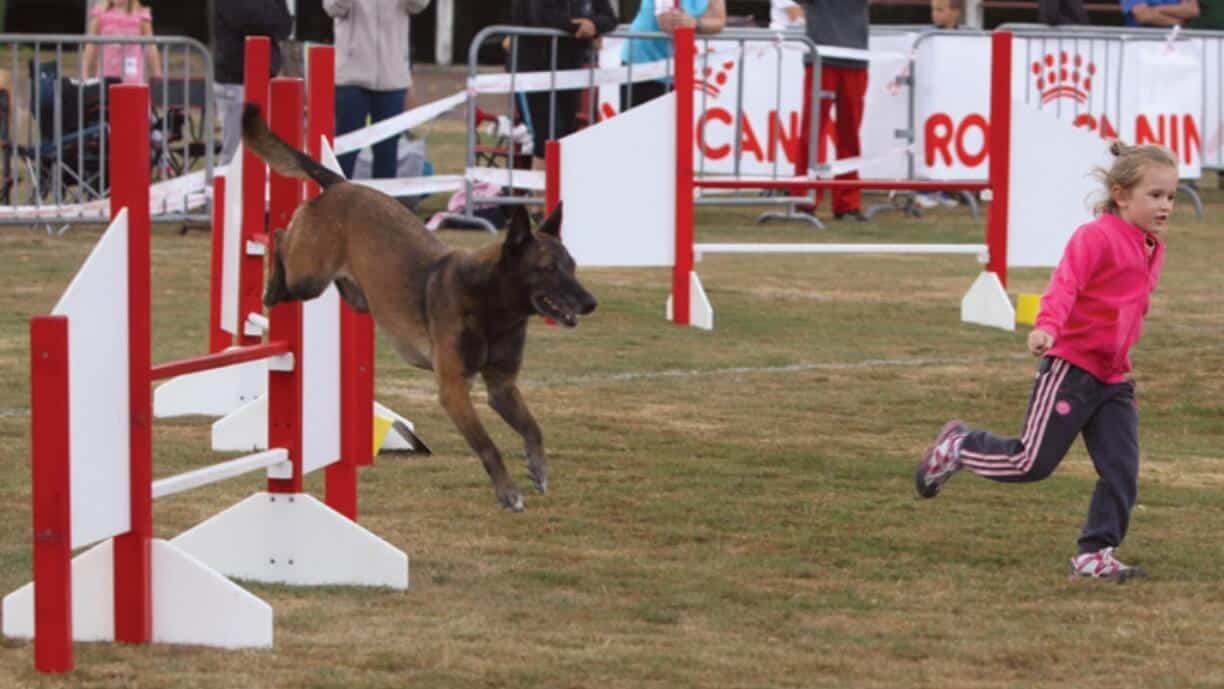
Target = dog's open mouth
(562,313)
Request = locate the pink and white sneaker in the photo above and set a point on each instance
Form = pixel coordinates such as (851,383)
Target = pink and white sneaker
(1102,565)
(940,460)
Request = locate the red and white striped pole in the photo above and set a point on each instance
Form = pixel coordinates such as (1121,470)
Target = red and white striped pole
(552,176)
(218,338)
(356,422)
(285,387)
(49,446)
(256,67)
(683,266)
(1000,152)
(129,174)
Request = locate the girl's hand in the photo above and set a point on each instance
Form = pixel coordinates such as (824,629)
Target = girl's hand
(1039,342)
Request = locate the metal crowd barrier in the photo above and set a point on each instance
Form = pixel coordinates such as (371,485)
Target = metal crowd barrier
(55,139)
(713,51)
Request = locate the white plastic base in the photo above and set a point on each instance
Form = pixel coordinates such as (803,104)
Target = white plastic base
(701,313)
(292,538)
(192,604)
(211,393)
(245,429)
(986,303)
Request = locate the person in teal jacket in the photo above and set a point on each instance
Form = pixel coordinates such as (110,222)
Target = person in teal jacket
(706,16)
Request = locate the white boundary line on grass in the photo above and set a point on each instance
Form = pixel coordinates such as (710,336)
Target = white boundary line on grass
(788,368)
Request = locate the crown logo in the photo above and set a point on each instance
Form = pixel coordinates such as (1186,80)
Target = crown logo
(1063,76)
(712,87)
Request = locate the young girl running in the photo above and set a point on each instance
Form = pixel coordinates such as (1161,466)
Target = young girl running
(125,61)
(1091,315)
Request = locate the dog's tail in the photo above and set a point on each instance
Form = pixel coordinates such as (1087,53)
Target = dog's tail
(281,156)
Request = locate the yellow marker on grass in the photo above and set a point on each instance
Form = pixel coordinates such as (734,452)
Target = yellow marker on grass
(382,425)
(1027,306)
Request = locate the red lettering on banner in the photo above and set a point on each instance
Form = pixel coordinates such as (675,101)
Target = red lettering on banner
(778,135)
(721,115)
(939,133)
(973,121)
(1087,121)
(749,143)
(944,138)
(1178,133)
(1191,139)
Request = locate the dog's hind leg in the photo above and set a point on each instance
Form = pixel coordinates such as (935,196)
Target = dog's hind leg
(275,290)
(351,293)
(507,401)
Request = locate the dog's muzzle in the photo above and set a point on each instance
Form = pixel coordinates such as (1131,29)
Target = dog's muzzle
(564,310)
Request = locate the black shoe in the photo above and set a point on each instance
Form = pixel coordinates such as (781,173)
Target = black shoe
(855,214)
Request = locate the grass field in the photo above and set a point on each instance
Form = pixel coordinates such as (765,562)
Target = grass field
(728,509)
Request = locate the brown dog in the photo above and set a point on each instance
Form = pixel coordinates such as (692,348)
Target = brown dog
(457,313)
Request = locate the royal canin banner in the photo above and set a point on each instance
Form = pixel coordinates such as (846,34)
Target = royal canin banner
(771,76)
(1139,91)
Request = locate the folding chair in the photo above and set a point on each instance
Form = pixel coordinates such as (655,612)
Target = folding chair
(68,167)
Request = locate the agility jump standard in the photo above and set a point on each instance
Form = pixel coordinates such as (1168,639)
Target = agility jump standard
(656,227)
(239,243)
(91,414)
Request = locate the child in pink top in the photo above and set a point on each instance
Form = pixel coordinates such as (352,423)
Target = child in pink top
(1091,315)
(126,18)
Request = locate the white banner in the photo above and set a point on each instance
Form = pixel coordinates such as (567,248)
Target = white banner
(1213,104)
(951,106)
(886,110)
(1139,91)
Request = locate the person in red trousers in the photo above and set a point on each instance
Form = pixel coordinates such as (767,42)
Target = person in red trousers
(838,24)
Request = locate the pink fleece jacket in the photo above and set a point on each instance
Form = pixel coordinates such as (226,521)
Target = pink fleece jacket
(1099,294)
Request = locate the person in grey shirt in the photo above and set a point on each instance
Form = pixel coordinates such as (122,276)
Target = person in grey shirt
(372,70)
(843,24)
(234,20)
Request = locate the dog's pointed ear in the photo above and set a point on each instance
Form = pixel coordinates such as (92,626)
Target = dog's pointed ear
(518,234)
(552,226)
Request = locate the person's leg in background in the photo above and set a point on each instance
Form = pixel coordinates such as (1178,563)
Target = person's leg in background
(640,92)
(385,105)
(851,89)
(229,111)
(805,139)
(830,82)
(352,109)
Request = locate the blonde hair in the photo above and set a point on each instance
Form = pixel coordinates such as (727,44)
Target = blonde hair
(1130,162)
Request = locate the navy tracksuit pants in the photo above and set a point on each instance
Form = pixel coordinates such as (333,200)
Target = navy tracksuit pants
(1067,401)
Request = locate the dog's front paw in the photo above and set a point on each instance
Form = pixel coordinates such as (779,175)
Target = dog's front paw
(511,499)
(539,476)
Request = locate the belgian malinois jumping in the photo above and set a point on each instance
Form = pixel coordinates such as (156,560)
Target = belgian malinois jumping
(457,313)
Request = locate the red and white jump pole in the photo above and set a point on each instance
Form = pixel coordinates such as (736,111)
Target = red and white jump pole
(91,376)
(986,301)
(238,394)
(130,191)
